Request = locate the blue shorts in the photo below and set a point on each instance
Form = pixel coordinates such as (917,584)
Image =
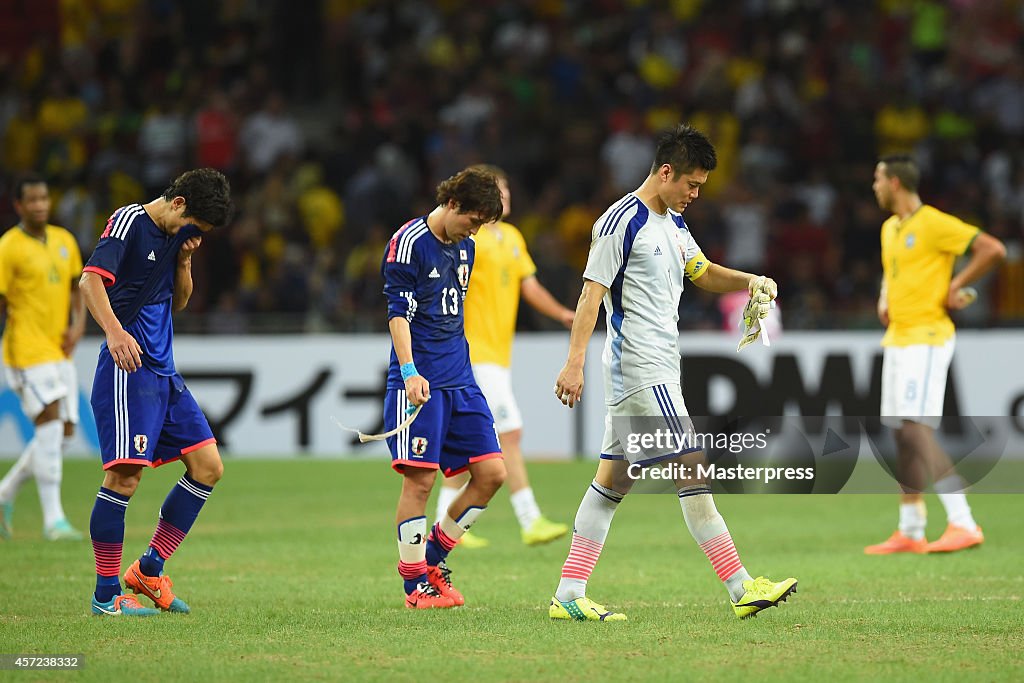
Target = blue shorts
(454,429)
(143,418)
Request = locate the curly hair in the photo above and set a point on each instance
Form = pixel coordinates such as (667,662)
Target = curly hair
(685,149)
(474,191)
(207,195)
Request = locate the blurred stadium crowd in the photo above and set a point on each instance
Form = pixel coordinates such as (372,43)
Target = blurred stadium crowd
(335,119)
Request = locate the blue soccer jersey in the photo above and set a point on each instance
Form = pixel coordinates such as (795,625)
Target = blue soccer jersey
(136,258)
(425,282)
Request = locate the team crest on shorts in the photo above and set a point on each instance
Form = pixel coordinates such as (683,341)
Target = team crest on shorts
(463,275)
(141,441)
(419,445)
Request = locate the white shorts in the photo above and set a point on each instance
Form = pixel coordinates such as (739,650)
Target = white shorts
(656,408)
(914,383)
(496,384)
(40,385)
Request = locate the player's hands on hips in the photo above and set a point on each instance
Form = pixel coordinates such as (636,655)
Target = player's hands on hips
(125,351)
(417,390)
(960,298)
(569,386)
(189,246)
(72,336)
(883,313)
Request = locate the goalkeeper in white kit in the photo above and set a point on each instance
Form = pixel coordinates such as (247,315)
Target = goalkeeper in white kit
(640,253)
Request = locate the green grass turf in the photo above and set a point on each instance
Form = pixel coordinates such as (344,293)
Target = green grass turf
(290,572)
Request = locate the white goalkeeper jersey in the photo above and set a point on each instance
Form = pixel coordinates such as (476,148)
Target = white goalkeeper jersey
(642,258)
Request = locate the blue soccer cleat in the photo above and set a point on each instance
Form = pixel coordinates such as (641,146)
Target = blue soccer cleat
(126,605)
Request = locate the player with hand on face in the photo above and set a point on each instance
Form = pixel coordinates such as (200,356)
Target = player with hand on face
(641,252)
(39,269)
(426,269)
(920,245)
(502,272)
(139,273)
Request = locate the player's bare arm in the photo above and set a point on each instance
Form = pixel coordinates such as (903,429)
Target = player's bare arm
(76,327)
(986,253)
(883,303)
(722,280)
(125,351)
(569,386)
(541,300)
(183,274)
(417,388)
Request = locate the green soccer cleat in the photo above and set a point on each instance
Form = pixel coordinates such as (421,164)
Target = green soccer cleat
(543,530)
(7,520)
(126,605)
(762,593)
(61,530)
(582,609)
(471,541)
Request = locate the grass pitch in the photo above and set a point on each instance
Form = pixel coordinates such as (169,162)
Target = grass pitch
(290,572)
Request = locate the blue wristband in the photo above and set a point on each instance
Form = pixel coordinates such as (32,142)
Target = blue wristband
(408,370)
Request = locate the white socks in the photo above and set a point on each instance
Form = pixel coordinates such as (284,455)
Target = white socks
(951,493)
(913,519)
(525,507)
(593,519)
(712,535)
(19,473)
(47,466)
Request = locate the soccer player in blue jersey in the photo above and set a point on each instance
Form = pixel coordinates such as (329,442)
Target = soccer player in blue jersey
(141,271)
(426,269)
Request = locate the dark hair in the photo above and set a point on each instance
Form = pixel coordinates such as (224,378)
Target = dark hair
(26,179)
(685,149)
(474,191)
(207,195)
(904,168)
(496,171)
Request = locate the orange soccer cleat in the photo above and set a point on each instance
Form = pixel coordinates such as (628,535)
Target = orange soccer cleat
(440,577)
(957,538)
(426,597)
(156,588)
(898,543)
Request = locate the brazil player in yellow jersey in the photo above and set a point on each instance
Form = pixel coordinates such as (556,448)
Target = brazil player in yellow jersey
(503,273)
(919,247)
(39,269)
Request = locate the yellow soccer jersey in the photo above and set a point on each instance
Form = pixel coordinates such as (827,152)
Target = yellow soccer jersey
(35,279)
(492,302)
(917,257)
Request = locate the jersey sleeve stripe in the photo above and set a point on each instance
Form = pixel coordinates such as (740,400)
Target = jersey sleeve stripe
(407,240)
(125,219)
(613,223)
(399,234)
(107,276)
(607,215)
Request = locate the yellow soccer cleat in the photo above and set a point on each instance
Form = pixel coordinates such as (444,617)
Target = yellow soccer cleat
(543,530)
(582,609)
(762,593)
(471,541)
